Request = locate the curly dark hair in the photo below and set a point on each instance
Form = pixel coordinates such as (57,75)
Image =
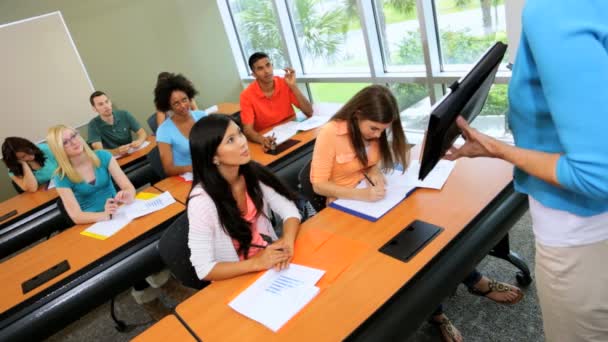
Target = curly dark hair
(166,86)
(11,146)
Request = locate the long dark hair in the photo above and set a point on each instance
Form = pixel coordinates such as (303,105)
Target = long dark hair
(11,146)
(376,103)
(205,137)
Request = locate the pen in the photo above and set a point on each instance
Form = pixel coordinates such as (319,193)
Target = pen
(369,180)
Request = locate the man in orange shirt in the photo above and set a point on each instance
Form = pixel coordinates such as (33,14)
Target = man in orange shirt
(269,99)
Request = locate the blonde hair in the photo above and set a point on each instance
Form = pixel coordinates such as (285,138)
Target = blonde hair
(54,139)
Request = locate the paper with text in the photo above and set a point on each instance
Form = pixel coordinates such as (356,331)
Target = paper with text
(435,179)
(135,149)
(276,297)
(283,132)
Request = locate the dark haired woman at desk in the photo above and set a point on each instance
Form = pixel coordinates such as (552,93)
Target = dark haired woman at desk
(229,206)
(29,165)
(175,93)
(352,146)
(161,116)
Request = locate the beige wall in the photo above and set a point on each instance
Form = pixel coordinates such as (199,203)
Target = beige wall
(124,44)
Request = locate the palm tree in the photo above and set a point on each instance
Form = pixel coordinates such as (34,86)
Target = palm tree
(486,12)
(320,33)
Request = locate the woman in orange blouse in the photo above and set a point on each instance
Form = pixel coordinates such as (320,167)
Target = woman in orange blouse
(354,146)
(351,145)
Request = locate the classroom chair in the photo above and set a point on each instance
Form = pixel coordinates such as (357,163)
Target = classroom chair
(175,253)
(152,123)
(155,162)
(306,189)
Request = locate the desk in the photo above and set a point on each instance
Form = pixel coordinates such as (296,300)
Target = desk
(129,159)
(26,203)
(227,108)
(373,299)
(52,302)
(166,330)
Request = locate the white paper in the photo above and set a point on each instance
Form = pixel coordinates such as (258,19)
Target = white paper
(211,109)
(188,176)
(110,227)
(51,184)
(396,191)
(435,179)
(312,122)
(283,132)
(143,145)
(139,207)
(277,296)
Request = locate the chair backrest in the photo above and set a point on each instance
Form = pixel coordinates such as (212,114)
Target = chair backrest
(317,201)
(174,250)
(154,160)
(17,188)
(152,123)
(64,214)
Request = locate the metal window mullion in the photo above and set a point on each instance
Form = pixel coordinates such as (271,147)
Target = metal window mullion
(430,44)
(288,37)
(371,38)
(233,37)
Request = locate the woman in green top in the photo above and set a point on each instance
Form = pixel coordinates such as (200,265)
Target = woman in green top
(29,165)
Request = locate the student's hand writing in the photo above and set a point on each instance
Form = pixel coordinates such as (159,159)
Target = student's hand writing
(123,149)
(287,246)
(268,143)
(124,196)
(376,176)
(271,256)
(374,193)
(110,207)
(135,144)
(477,144)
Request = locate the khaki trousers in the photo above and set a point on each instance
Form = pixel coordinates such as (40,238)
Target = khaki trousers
(572,284)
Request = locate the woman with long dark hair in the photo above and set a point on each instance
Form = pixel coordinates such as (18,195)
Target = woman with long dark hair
(230,204)
(353,146)
(29,165)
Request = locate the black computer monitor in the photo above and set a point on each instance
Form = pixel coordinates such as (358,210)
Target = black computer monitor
(465,97)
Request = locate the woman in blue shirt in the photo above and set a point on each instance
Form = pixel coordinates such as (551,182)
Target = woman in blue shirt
(84,178)
(174,93)
(29,165)
(559,117)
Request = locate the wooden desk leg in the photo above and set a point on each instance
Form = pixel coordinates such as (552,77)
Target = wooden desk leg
(503,251)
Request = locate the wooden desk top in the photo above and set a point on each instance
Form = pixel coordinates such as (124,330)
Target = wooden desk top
(227,108)
(79,250)
(177,186)
(129,158)
(362,288)
(26,202)
(167,329)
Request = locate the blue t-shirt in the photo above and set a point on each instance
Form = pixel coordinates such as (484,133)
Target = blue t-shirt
(92,197)
(45,173)
(168,133)
(557,101)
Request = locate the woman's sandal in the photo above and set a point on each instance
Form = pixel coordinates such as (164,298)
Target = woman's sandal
(496,286)
(448,331)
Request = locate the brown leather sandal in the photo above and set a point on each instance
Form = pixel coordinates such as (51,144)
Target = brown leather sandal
(496,286)
(448,331)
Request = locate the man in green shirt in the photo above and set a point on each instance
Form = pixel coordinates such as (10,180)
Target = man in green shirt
(111,130)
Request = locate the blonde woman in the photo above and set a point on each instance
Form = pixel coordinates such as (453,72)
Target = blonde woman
(84,178)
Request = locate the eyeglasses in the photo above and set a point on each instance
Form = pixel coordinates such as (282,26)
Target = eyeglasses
(70,139)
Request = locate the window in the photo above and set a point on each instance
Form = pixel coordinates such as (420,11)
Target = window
(257,27)
(467,28)
(338,47)
(399,30)
(328,35)
(414,104)
(335,92)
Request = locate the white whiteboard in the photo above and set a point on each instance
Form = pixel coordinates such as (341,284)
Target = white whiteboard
(44,81)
